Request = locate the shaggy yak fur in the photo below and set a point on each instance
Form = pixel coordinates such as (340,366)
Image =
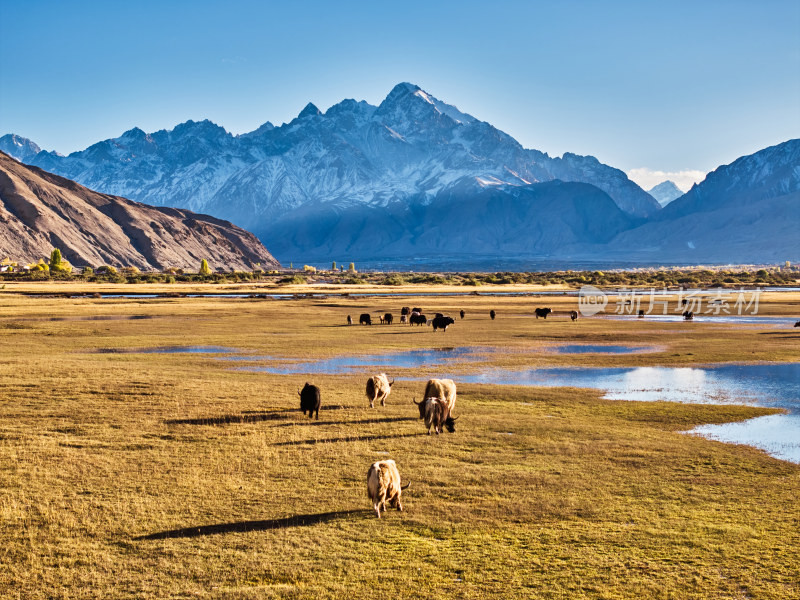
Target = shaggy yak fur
(378,388)
(383,485)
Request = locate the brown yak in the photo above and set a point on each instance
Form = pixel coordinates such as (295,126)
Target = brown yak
(436,414)
(444,389)
(378,388)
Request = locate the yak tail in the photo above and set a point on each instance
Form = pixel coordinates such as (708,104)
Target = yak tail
(402,487)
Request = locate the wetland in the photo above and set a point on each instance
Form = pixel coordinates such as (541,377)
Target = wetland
(160,468)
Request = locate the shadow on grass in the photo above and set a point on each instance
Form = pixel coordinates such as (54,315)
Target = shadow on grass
(789,334)
(245,526)
(247,417)
(355,438)
(360,422)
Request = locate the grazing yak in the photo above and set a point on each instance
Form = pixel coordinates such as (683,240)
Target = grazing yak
(349,320)
(405,311)
(492,314)
(542,312)
(378,388)
(688,315)
(641,314)
(383,485)
(462,313)
(404,318)
(436,414)
(388,318)
(310,399)
(444,389)
(797,324)
(365,319)
(573,315)
(442,323)
(416,309)
(417,319)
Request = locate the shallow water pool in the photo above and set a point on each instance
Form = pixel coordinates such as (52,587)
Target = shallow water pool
(599,349)
(772,385)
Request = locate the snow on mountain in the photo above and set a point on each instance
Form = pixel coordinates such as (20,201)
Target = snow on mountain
(398,157)
(747,211)
(19,147)
(665,192)
(411,146)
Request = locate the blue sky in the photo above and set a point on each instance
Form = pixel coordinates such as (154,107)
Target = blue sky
(666,86)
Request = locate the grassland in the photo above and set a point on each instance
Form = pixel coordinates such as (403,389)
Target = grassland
(133,475)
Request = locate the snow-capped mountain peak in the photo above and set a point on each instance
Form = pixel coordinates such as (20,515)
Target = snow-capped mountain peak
(19,147)
(410,150)
(665,192)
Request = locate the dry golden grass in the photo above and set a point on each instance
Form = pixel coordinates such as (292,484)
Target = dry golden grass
(174,476)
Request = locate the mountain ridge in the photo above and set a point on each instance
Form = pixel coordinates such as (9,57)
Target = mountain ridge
(665,192)
(746,211)
(411,146)
(40,211)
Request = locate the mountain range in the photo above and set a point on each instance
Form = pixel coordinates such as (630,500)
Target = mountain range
(665,192)
(747,211)
(415,178)
(40,211)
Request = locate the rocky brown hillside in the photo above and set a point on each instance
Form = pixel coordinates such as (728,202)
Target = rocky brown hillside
(40,211)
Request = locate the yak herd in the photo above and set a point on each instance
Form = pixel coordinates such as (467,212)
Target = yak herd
(415,316)
(435,409)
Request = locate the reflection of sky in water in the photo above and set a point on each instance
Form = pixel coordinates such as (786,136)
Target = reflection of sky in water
(190,350)
(746,319)
(348,364)
(765,385)
(598,349)
(173,350)
(779,435)
(773,385)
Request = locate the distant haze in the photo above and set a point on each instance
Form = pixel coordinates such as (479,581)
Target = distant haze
(649,178)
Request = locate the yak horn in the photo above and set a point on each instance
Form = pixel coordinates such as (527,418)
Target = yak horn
(402,487)
(391,384)
(414,400)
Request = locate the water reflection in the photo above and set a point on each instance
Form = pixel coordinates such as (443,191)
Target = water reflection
(349,364)
(171,350)
(599,349)
(737,319)
(779,435)
(772,385)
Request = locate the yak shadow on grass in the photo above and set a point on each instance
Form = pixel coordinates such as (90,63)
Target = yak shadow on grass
(247,417)
(788,334)
(360,422)
(245,526)
(354,438)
